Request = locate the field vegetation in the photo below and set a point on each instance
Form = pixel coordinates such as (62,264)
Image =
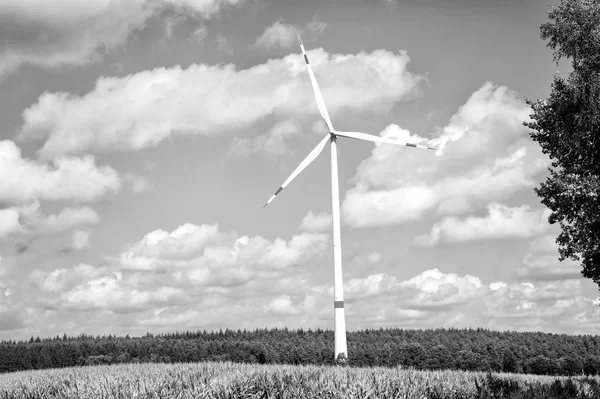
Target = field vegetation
(233,380)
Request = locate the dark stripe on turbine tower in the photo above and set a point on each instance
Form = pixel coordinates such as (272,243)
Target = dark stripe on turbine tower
(338,304)
(306,59)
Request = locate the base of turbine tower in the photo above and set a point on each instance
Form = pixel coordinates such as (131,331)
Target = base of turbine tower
(341,360)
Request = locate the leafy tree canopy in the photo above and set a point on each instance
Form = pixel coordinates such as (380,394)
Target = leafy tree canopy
(567,127)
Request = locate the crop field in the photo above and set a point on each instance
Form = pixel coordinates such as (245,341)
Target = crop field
(231,380)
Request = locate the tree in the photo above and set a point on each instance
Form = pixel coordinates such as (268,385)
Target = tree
(509,362)
(567,127)
(591,365)
(439,358)
(570,366)
(540,365)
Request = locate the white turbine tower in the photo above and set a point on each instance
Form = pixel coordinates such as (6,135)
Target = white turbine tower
(331,137)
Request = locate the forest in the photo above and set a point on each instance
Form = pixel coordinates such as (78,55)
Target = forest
(431,349)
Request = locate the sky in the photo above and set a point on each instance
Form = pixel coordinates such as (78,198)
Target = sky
(139,140)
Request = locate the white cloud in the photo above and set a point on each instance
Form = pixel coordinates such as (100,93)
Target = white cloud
(169,268)
(70,32)
(539,303)
(374,257)
(205,8)
(434,299)
(284,35)
(171,24)
(223,44)
(66,178)
(9,221)
(199,34)
(207,257)
(429,290)
(316,27)
(364,208)
(28,220)
(273,143)
(66,219)
(373,285)
(319,222)
(7,266)
(497,285)
(486,156)
(185,297)
(212,100)
(107,293)
(282,305)
(543,306)
(87,287)
(139,184)
(60,280)
(185,242)
(279,34)
(541,262)
(81,240)
(10,314)
(501,221)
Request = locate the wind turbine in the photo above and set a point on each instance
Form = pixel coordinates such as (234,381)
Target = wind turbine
(331,137)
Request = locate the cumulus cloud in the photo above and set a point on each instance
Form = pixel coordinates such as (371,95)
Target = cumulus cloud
(205,8)
(434,298)
(501,221)
(541,262)
(60,280)
(107,293)
(150,106)
(9,221)
(66,219)
(284,35)
(485,156)
(81,240)
(185,296)
(282,305)
(211,256)
(29,220)
(170,268)
(68,32)
(185,242)
(537,305)
(429,290)
(543,306)
(273,143)
(66,178)
(86,287)
(316,222)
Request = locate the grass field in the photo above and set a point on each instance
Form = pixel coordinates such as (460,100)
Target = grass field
(231,380)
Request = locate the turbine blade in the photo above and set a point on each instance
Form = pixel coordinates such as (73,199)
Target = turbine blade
(379,139)
(315,86)
(309,158)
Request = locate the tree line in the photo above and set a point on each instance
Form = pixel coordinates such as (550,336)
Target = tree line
(432,349)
